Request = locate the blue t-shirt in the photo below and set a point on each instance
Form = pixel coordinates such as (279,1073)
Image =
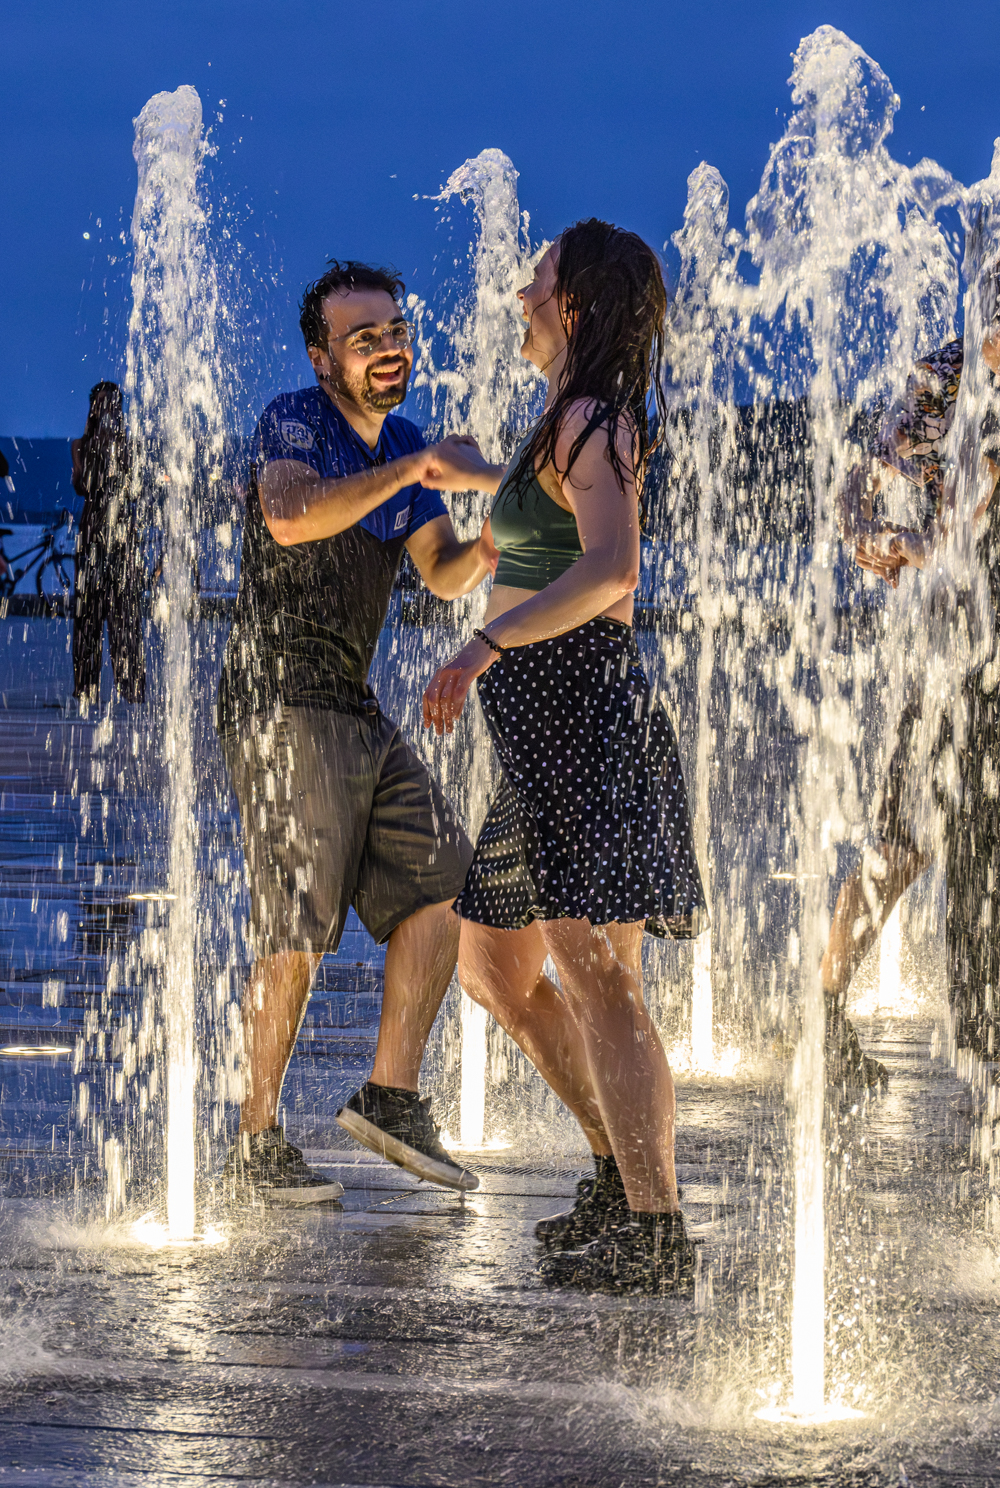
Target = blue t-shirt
(306,426)
(308,617)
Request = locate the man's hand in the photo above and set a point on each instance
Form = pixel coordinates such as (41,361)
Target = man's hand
(913,549)
(449,687)
(457,464)
(883,566)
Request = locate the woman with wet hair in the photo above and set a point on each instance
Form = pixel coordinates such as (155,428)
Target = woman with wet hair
(106,556)
(588,841)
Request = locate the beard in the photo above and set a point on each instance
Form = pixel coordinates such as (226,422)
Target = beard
(380,400)
(359,390)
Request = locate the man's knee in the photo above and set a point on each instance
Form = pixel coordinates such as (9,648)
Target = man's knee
(905,862)
(472,973)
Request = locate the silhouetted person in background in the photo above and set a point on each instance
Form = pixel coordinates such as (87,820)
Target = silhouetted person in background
(107,587)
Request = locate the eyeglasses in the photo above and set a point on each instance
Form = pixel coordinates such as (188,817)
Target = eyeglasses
(400,333)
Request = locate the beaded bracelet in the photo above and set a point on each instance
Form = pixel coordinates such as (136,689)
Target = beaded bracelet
(482,636)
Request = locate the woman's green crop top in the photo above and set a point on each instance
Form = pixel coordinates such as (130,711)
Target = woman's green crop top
(537,539)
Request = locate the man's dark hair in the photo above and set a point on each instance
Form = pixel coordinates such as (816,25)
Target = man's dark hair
(343,274)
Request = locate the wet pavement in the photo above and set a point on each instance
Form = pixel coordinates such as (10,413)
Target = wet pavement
(404,1337)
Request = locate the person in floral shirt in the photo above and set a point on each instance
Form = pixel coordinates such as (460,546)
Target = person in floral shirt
(910,442)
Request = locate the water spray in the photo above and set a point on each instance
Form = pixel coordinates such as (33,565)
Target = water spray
(175,420)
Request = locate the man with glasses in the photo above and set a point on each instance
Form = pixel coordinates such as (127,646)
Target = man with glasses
(336,808)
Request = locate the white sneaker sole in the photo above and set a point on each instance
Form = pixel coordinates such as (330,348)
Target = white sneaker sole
(323,1193)
(405,1157)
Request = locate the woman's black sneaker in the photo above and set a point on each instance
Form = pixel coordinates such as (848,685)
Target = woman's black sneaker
(649,1253)
(600,1204)
(397,1125)
(266,1166)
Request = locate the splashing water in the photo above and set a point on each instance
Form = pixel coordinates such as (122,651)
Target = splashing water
(494,393)
(855,277)
(701,337)
(491,393)
(826,230)
(174,410)
(963,590)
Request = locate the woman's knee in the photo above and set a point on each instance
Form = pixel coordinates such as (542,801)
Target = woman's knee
(477,971)
(583,954)
(595,982)
(495,974)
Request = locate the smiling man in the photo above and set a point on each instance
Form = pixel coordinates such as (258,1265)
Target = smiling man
(336,808)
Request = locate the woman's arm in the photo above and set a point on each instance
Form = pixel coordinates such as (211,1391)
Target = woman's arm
(915,549)
(608,569)
(853,502)
(607,520)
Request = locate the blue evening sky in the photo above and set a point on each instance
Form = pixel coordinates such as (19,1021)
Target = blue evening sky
(337,115)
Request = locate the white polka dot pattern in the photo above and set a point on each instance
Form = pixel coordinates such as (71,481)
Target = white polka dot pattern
(591,821)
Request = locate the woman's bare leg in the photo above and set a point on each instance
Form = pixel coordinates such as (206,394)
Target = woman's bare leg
(502,970)
(601,976)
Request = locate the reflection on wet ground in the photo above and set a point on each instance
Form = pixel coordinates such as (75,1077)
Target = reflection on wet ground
(403,1337)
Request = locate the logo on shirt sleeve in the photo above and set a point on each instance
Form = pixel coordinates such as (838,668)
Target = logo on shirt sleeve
(297,436)
(402,518)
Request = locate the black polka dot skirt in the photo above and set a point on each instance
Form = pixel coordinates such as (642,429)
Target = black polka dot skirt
(591,820)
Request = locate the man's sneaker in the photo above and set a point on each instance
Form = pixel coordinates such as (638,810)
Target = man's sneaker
(600,1204)
(650,1253)
(266,1166)
(847,1064)
(397,1125)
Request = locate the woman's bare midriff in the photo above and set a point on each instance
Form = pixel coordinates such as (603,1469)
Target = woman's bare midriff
(504,597)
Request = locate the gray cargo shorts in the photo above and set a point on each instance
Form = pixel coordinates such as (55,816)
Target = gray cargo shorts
(336,809)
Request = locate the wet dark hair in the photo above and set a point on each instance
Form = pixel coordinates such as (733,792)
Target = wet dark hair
(107,396)
(612,302)
(343,274)
(104,446)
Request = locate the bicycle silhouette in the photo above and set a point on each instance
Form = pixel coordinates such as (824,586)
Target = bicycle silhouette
(55,545)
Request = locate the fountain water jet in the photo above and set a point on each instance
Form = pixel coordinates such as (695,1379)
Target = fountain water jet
(854,278)
(838,256)
(174,411)
(890,957)
(701,344)
(490,395)
(963,668)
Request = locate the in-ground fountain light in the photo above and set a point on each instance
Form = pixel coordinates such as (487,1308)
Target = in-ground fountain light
(175,422)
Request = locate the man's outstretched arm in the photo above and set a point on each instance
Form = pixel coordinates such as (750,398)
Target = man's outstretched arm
(299,505)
